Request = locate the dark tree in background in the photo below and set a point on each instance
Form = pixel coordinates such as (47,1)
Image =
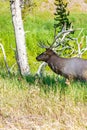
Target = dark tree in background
(28,2)
(61,16)
(61,24)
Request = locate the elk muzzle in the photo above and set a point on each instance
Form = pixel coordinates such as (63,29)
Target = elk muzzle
(43,57)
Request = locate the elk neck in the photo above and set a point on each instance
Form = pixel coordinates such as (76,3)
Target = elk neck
(55,63)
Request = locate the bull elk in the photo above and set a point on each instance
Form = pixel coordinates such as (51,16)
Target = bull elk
(71,68)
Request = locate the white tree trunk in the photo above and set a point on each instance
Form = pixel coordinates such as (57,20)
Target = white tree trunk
(20,37)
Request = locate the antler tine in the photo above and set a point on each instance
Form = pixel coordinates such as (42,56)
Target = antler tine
(42,45)
(66,47)
(55,44)
(64,27)
(57,40)
(50,45)
(64,32)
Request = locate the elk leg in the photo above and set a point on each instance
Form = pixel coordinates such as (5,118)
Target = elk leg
(69,80)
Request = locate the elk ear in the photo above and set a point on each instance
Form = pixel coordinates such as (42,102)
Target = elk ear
(46,49)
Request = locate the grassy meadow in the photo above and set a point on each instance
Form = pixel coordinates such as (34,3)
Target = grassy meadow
(33,103)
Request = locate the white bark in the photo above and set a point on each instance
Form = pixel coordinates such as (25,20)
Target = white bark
(20,37)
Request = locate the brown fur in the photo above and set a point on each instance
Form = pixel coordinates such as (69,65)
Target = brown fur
(71,68)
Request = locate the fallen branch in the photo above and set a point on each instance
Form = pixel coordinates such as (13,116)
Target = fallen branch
(41,69)
(5,59)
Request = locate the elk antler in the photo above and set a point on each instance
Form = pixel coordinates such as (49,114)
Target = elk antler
(57,40)
(42,45)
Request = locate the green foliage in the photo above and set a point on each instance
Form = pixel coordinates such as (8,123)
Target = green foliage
(61,15)
(47,84)
(39,27)
(56,84)
(61,21)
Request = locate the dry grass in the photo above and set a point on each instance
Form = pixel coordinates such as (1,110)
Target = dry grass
(28,107)
(85,1)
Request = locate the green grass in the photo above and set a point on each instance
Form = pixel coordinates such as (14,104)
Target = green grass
(39,27)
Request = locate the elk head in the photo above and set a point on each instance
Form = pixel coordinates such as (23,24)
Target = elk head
(57,42)
(45,55)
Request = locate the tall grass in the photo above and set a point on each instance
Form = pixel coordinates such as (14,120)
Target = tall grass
(38,27)
(42,103)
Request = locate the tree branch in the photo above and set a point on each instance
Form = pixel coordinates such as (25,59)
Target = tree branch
(40,69)
(5,59)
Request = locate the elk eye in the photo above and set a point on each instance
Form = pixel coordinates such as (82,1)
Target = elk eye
(44,52)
